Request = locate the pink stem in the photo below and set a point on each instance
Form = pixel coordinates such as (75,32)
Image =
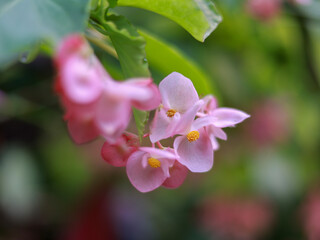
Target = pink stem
(159,145)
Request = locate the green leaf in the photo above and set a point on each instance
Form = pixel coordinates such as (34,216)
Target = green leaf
(141,118)
(130,46)
(198,17)
(165,58)
(26,22)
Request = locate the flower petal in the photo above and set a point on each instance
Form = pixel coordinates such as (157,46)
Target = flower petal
(217,132)
(210,103)
(178,92)
(151,103)
(160,126)
(184,125)
(82,131)
(178,174)
(197,156)
(203,122)
(80,80)
(129,91)
(140,102)
(159,153)
(227,117)
(215,144)
(144,179)
(113,116)
(117,154)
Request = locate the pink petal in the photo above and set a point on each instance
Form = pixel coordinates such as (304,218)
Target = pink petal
(210,103)
(82,112)
(159,127)
(129,91)
(117,154)
(142,93)
(80,81)
(151,103)
(178,174)
(203,122)
(227,117)
(216,132)
(82,131)
(178,92)
(70,46)
(184,125)
(212,136)
(214,142)
(159,153)
(144,179)
(197,155)
(164,127)
(113,116)
(219,133)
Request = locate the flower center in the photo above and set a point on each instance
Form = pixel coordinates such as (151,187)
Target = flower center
(153,162)
(193,136)
(171,112)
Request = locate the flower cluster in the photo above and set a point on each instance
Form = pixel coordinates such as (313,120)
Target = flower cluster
(96,105)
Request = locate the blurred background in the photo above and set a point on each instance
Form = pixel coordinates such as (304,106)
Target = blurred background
(265,180)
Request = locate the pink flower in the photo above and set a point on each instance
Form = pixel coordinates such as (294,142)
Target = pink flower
(310,215)
(243,219)
(217,118)
(96,104)
(180,103)
(149,168)
(264,9)
(117,154)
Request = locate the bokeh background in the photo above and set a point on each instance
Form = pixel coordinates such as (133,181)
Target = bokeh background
(265,179)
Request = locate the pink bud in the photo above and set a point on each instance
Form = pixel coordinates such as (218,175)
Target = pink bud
(117,154)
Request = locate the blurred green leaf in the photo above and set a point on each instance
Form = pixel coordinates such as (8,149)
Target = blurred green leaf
(198,17)
(141,119)
(166,58)
(129,46)
(23,23)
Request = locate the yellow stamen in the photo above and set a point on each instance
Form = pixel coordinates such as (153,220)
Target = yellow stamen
(153,162)
(193,136)
(171,112)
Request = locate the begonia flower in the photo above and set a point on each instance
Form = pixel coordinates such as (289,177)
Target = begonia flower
(96,104)
(148,168)
(180,103)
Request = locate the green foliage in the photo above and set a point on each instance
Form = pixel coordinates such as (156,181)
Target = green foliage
(141,118)
(129,46)
(198,17)
(24,23)
(166,59)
